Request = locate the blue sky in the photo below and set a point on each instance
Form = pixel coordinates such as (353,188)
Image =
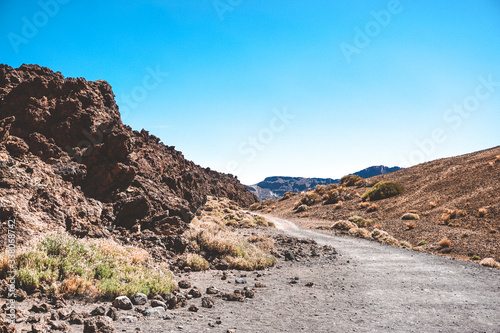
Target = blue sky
(293,88)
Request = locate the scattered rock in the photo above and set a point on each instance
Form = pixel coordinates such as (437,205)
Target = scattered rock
(99,324)
(259,284)
(207,302)
(139,299)
(155,312)
(249,293)
(156,303)
(99,311)
(193,308)
(123,303)
(195,293)
(63,313)
(112,313)
(212,291)
(309,284)
(38,328)
(5,327)
(233,297)
(184,284)
(40,308)
(240,281)
(129,319)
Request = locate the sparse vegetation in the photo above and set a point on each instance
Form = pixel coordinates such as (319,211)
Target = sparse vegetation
(301,208)
(255,206)
(344,225)
(360,232)
(410,225)
(196,262)
(475,258)
(410,216)
(211,235)
(482,212)
(352,180)
(444,243)
(363,205)
(423,242)
(91,268)
(382,190)
(361,222)
(372,208)
(405,244)
(490,262)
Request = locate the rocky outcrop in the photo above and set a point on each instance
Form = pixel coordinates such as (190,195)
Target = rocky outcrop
(68,162)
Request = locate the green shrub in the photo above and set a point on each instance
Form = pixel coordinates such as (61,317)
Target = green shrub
(422,243)
(382,190)
(91,268)
(361,222)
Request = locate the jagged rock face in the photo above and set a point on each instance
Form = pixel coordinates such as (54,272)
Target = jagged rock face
(66,159)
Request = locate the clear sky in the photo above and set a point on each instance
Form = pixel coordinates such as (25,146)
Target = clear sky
(293,88)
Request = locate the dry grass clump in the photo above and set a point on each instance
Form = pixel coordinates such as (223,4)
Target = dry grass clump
(410,216)
(384,237)
(287,196)
(482,212)
(196,262)
(461,213)
(301,208)
(405,244)
(410,225)
(360,232)
(210,233)
(352,180)
(450,214)
(444,243)
(373,208)
(255,206)
(337,194)
(72,267)
(338,205)
(490,262)
(363,205)
(343,225)
(377,226)
(308,199)
(433,204)
(382,190)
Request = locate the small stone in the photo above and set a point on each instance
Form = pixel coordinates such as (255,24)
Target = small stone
(139,299)
(112,313)
(99,311)
(259,284)
(129,319)
(38,328)
(122,302)
(99,324)
(233,297)
(184,284)
(195,293)
(63,313)
(40,308)
(155,303)
(212,291)
(309,284)
(207,302)
(155,312)
(249,294)
(193,308)
(240,281)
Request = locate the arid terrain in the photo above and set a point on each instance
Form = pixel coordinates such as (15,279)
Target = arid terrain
(106,229)
(455,198)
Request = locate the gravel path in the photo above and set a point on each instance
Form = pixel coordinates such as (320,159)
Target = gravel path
(370,287)
(401,290)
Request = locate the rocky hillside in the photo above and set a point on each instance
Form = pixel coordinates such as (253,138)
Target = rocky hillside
(449,206)
(376,171)
(276,187)
(68,162)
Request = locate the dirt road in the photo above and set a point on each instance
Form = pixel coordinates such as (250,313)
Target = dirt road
(369,288)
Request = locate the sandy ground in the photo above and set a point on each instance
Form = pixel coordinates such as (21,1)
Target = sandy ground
(367,287)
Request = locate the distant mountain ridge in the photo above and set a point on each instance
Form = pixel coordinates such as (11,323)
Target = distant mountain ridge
(276,186)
